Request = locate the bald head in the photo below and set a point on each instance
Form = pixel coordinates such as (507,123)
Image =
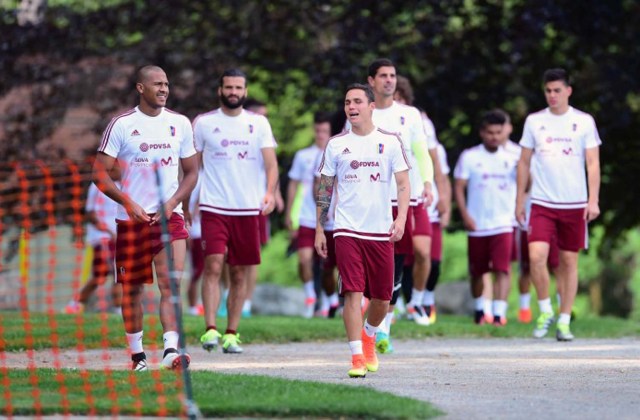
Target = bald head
(145,72)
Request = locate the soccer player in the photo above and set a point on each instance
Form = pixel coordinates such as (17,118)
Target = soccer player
(488,174)
(302,175)
(235,146)
(363,161)
(564,199)
(146,140)
(101,212)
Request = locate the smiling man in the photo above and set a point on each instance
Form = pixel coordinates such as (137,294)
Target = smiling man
(563,198)
(363,162)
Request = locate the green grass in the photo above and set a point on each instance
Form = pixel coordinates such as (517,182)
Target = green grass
(218,395)
(70,330)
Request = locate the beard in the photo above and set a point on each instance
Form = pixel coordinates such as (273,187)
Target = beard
(232,105)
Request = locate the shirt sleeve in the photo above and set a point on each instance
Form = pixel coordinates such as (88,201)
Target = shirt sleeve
(328,163)
(528,140)
(266,134)
(187,148)
(112,139)
(430,132)
(442,158)
(297,168)
(592,137)
(198,140)
(461,171)
(90,205)
(399,160)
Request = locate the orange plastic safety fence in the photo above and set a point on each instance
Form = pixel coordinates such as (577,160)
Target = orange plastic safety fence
(43,272)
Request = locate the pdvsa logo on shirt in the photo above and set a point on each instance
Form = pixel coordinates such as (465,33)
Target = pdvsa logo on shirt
(358,164)
(145,147)
(227,143)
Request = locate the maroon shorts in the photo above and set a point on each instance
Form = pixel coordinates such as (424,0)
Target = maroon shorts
(237,236)
(522,255)
(330,262)
(421,223)
(405,244)
(265,229)
(490,254)
(306,237)
(104,254)
(436,241)
(567,225)
(197,259)
(136,245)
(365,266)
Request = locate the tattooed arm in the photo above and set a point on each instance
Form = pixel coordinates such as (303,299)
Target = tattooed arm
(323,202)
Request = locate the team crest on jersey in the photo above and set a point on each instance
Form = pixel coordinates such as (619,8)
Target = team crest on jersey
(135,133)
(380,148)
(172,130)
(251,128)
(401,120)
(346,151)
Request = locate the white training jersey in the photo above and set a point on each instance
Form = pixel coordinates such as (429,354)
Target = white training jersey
(513,147)
(434,215)
(232,158)
(406,122)
(106,211)
(303,170)
(331,215)
(143,144)
(559,143)
(364,168)
(195,231)
(491,188)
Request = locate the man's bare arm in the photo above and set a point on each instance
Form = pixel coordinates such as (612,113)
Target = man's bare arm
(323,198)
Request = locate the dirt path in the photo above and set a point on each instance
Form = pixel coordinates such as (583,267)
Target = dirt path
(466,378)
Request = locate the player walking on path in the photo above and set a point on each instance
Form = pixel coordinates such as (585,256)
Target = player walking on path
(235,146)
(363,161)
(144,140)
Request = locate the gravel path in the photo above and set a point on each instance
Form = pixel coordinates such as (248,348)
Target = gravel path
(466,378)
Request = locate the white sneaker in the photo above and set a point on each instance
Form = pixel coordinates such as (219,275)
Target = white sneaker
(171,359)
(418,315)
(139,362)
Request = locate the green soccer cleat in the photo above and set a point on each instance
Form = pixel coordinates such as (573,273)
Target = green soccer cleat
(383,343)
(563,332)
(542,324)
(209,340)
(230,344)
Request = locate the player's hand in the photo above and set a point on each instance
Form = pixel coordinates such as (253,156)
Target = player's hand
(321,243)
(427,195)
(445,219)
(169,206)
(268,204)
(469,223)
(136,212)
(591,212)
(442,207)
(397,230)
(521,215)
(279,203)
(188,219)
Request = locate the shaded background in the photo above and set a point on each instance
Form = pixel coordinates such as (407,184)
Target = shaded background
(68,66)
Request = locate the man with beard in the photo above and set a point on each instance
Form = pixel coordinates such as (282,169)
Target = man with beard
(235,145)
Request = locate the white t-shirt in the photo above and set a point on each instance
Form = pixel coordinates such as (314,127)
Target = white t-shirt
(195,232)
(303,170)
(141,143)
(559,143)
(232,158)
(434,215)
(106,211)
(406,122)
(491,188)
(331,215)
(364,167)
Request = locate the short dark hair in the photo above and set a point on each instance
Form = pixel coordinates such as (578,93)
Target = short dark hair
(554,75)
(403,87)
(377,63)
(320,117)
(232,72)
(493,117)
(366,88)
(252,103)
(507,118)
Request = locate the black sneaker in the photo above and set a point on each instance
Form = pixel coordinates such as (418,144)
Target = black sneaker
(139,362)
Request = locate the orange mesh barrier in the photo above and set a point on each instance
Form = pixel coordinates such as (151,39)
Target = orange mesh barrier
(59,308)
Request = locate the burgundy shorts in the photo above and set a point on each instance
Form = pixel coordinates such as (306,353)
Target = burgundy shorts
(103,256)
(330,262)
(365,266)
(567,225)
(421,223)
(436,241)
(405,244)
(522,242)
(306,237)
(265,228)
(490,254)
(237,236)
(136,245)
(197,259)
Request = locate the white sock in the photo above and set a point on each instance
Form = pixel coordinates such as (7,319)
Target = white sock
(488,306)
(416,297)
(525,299)
(479,302)
(369,329)
(355,347)
(500,308)
(193,310)
(429,298)
(559,299)
(246,306)
(334,300)
(135,342)
(545,306)
(388,320)
(309,290)
(564,319)
(324,302)
(170,339)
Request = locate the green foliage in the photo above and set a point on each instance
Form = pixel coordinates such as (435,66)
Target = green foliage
(276,267)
